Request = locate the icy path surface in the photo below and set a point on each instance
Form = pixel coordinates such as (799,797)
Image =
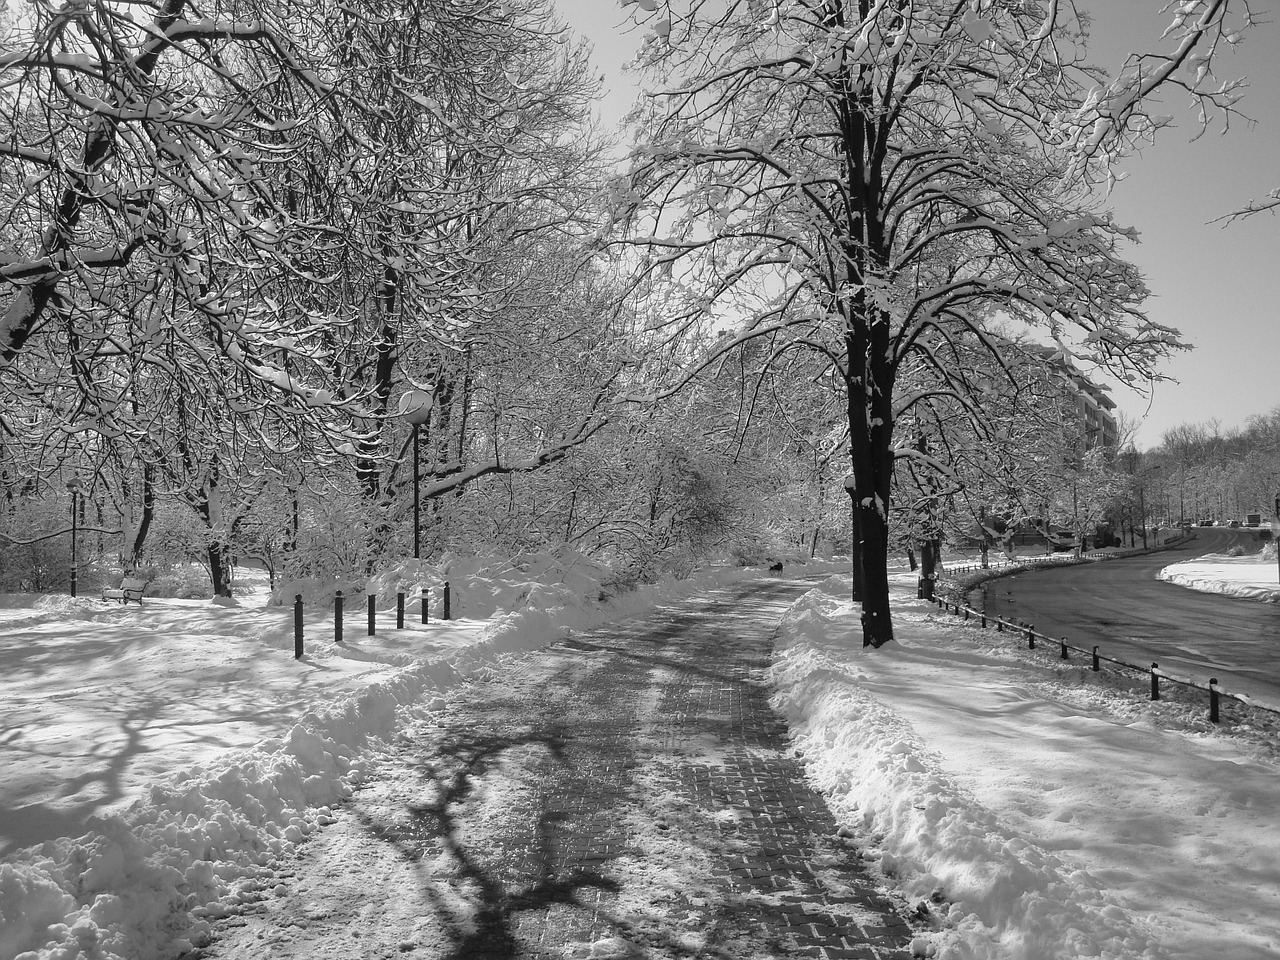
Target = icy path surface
(625,793)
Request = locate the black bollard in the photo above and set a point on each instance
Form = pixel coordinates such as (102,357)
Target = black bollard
(1064,648)
(426,601)
(297,626)
(1155,682)
(337,616)
(1213,699)
(1096,665)
(372,613)
(447,614)
(400,610)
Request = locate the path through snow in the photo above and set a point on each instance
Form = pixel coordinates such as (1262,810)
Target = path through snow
(625,793)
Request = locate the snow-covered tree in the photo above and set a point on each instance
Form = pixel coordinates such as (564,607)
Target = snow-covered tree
(875,180)
(287,208)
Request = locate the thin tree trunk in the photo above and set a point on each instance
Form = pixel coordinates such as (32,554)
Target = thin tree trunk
(134,549)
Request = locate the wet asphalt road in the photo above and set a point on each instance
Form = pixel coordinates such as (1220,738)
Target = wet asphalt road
(1121,606)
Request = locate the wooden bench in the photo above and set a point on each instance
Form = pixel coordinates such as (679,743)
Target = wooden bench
(131,588)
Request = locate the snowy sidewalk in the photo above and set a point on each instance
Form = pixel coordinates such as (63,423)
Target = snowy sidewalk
(626,793)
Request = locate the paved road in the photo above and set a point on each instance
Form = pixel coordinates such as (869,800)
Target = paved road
(1132,616)
(625,794)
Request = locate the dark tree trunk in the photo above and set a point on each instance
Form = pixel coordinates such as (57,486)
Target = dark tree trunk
(220,568)
(877,624)
(855,547)
(369,469)
(870,442)
(133,550)
(929,554)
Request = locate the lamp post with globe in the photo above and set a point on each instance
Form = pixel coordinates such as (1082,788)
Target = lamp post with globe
(415,407)
(74,486)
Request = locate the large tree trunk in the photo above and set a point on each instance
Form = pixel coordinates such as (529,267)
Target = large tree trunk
(870,442)
(855,544)
(220,568)
(877,624)
(871,535)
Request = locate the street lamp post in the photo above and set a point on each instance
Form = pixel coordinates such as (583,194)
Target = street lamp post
(415,407)
(73,485)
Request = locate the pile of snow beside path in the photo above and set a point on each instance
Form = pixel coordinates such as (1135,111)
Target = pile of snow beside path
(144,884)
(1252,577)
(479,585)
(1037,809)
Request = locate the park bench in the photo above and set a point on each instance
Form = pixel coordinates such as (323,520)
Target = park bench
(131,588)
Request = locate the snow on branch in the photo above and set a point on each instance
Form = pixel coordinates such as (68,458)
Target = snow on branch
(1267,205)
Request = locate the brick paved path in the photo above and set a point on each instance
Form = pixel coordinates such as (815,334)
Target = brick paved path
(624,794)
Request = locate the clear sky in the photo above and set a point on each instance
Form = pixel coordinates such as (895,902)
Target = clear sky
(1219,285)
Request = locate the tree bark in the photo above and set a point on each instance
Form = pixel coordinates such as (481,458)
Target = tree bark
(133,558)
(855,547)
(220,568)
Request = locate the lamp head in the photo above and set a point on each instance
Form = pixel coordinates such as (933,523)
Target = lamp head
(415,406)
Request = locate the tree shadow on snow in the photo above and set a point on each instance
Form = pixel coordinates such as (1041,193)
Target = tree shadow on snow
(496,885)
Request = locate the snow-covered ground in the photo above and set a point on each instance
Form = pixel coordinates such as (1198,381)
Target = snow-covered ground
(1051,811)
(1253,576)
(1040,810)
(200,752)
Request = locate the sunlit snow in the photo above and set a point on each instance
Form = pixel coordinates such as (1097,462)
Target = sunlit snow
(1038,810)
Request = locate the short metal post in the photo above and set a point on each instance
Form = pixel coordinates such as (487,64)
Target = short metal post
(999,626)
(1031,637)
(337,616)
(447,614)
(966,613)
(1064,648)
(426,601)
(984,619)
(372,614)
(400,610)
(1213,699)
(297,626)
(1096,665)
(1155,682)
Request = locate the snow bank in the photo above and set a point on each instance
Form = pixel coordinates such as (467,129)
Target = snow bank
(1250,577)
(204,841)
(1005,897)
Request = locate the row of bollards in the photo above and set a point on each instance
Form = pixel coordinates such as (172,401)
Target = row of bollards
(446,612)
(1215,696)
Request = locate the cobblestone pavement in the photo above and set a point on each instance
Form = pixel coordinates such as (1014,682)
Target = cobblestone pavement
(628,793)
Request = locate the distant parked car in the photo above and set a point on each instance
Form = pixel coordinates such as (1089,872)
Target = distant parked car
(1206,523)
(1233,524)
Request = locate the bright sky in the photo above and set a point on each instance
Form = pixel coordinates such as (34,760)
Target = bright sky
(1219,285)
